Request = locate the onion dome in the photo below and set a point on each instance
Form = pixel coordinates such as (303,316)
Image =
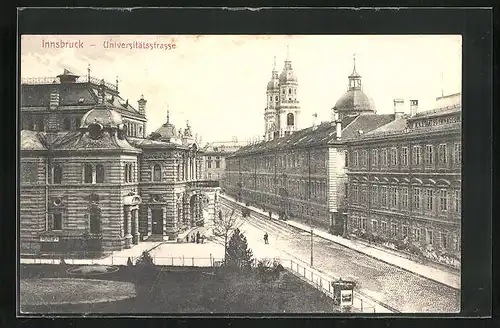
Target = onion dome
(167,130)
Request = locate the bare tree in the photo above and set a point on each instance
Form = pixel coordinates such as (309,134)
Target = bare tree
(224,226)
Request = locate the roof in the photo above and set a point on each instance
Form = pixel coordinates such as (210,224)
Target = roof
(30,140)
(438,112)
(149,143)
(79,140)
(73,94)
(321,135)
(103,114)
(355,100)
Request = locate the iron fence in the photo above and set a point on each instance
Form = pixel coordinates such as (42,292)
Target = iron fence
(313,277)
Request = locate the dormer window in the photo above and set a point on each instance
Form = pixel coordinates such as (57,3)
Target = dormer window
(95,131)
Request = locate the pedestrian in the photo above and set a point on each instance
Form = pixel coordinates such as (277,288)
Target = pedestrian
(187,238)
(198,237)
(192,238)
(266,238)
(202,239)
(270,215)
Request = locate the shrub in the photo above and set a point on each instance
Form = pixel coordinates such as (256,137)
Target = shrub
(269,270)
(145,261)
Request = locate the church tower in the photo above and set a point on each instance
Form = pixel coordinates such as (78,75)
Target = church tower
(283,107)
(289,108)
(272,95)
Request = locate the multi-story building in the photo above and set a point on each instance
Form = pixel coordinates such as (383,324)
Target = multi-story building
(60,102)
(302,175)
(96,182)
(283,107)
(405,179)
(214,158)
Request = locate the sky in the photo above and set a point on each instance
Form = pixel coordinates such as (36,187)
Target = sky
(218,82)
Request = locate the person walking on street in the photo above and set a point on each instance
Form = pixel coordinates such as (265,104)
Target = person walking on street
(270,215)
(197,237)
(187,238)
(266,238)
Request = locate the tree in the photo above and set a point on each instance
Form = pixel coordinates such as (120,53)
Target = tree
(224,228)
(238,254)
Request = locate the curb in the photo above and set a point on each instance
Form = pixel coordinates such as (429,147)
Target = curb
(359,251)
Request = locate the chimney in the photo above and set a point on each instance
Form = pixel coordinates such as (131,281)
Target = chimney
(398,108)
(413,107)
(142,105)
(54,98)
(338,125)
(314,124)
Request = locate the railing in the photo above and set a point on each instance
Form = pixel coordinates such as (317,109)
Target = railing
(56,80)
(204,184)
(323,284)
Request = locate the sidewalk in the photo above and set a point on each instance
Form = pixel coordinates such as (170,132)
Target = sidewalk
(441,276)
(117,258)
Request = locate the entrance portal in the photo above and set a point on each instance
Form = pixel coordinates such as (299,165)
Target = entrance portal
(157,221)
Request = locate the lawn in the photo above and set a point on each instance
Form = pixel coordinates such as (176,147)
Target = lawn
(184,290)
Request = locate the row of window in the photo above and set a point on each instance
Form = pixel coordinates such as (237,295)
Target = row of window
(55,222)
(318,160)
(394,156)
(416,234)
(134,129)
(209,163)
(397,197)
(38,123)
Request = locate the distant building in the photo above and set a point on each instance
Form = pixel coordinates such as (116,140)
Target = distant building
(214,158)
(92,181)
(302,175)
(283,107)
(404,179)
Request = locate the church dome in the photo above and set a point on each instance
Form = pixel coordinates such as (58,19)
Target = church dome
(355,101)
(103,115)
(288,75)
(273,84)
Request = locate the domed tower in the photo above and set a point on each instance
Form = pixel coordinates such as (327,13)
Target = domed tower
(167,132)
(289,107)
(103,120)
(354,101)
(272,95)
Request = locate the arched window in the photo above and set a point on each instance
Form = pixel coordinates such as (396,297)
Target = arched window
(126,173)
(157,172)
(57,174)
(290,119)
(66,124)
(77,122)
(99,173)
(95,220)
(28,123)
(87,173)
(40,124)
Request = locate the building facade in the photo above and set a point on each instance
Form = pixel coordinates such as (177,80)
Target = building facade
(214,158)
(405,180)
(95,187)
(302,175)
(283,107)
